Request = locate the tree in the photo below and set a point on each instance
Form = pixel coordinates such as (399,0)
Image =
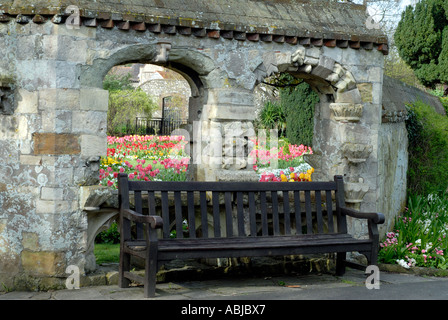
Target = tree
(422,40)
(126,105)
(125,102)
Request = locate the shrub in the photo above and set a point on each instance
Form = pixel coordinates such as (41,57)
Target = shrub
(428,150)
(110,236)
(298,104)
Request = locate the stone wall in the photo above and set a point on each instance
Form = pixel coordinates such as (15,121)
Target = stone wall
(52,140)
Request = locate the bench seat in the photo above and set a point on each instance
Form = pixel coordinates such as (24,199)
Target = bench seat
(170,249)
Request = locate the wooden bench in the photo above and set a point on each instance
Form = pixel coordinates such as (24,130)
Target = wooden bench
(243,219)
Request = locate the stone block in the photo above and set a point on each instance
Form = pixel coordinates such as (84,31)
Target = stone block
(58,99)
(299,55)
(365,90)
(53,143)
(52,193)
(27,101)
(94,99)
(55,206)
(30,160)
(230,112)
(89,122)
(30,240)
(311,61)
(231,97)
(324,68)
(350,96)
(313,52)
(43,263)
(93,145)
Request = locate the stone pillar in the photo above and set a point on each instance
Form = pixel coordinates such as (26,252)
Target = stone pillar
(226,130)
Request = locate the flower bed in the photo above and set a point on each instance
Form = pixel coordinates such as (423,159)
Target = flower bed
(419,237)
(282,164)
(159,158)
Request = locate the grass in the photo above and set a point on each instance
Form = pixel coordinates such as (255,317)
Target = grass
(107,253)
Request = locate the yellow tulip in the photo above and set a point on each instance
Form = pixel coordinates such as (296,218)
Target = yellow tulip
(283,177)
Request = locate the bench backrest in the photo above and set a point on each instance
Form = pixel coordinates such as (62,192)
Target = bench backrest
(237,209)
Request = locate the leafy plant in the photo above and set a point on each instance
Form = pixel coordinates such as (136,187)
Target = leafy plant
(428,150)
(298,104)
(110,236)
(419,237)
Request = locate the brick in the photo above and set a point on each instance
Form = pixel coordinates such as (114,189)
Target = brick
(53,143)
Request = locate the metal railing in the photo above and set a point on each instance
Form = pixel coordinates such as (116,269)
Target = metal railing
(146,126)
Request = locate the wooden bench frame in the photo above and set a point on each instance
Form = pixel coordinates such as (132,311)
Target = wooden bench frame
(154,245)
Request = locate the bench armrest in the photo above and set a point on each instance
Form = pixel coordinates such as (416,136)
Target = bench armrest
(375,217)
(155,221)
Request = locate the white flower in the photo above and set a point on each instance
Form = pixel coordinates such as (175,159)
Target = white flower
(403,263)
(418,242)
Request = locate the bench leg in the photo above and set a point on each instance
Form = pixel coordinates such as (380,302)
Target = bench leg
(124,266)
(340,263)
(151,271)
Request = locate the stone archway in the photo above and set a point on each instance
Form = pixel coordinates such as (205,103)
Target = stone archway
(52,119)
(347,118)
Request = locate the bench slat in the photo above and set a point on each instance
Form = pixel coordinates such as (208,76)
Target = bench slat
(252,215)
(275,217)
(178,214)
(329,204)
(287,214)
(191,215)
(298,212)
(165,215)
(229,220)
(309,217)
(204,221)
(240,213)
(320,227)
(138,208)
(259,242)
(216,217)
(264,214)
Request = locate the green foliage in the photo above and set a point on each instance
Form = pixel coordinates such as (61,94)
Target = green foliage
(298,104)
(110,236)
(396,68)
(114,82)
(126,105)
(419,234)
(272,116)
(428,150)
(422,41)
(444,103)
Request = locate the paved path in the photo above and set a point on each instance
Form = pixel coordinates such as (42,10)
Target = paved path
(351,286)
